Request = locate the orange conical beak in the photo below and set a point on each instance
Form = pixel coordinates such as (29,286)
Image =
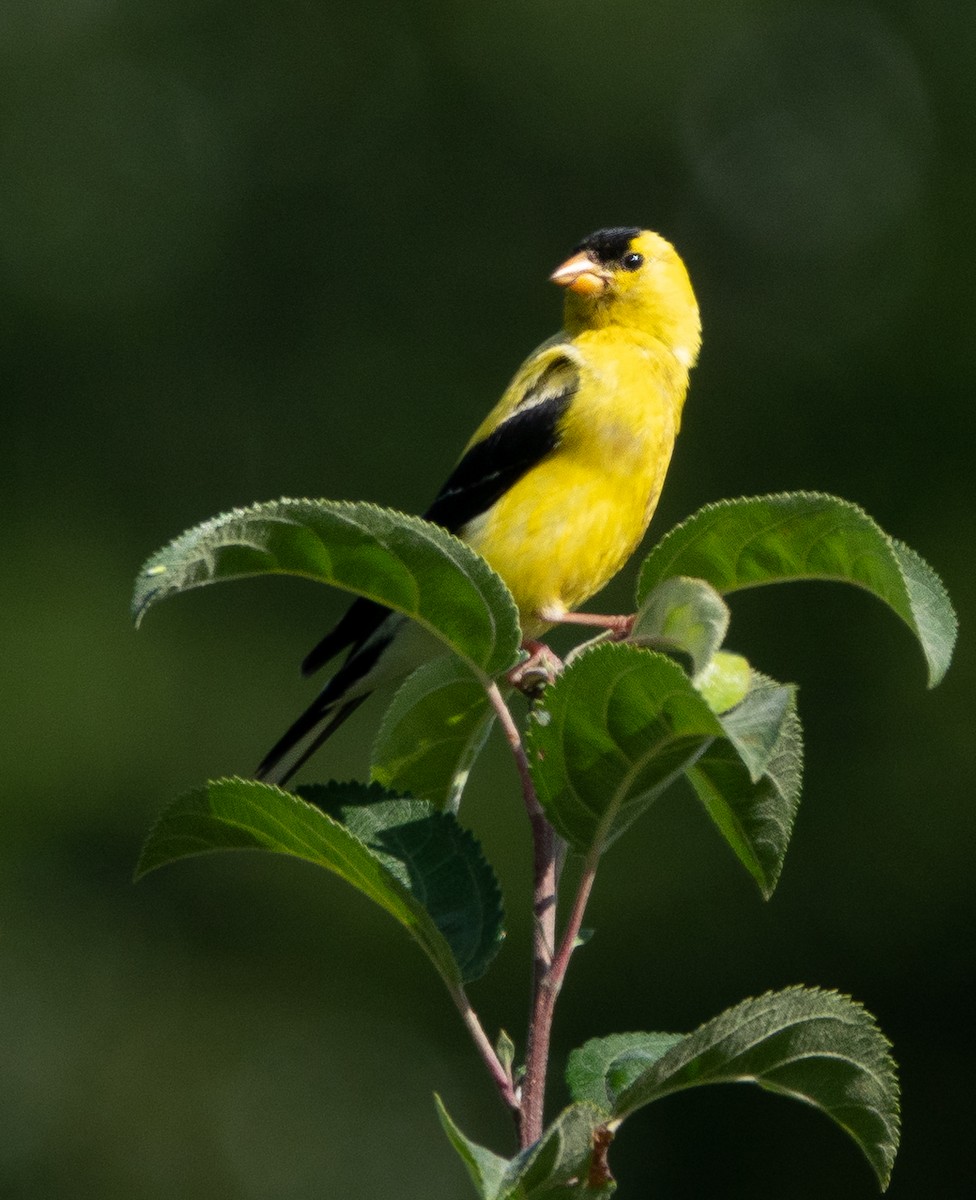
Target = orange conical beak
(581,275)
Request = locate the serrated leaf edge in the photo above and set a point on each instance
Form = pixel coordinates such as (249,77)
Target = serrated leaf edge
(886,1074)
(451,979)
(937,667)
(343,510)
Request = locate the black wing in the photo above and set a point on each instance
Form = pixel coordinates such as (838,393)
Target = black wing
(497,463)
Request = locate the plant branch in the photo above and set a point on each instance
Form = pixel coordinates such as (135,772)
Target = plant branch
(575,921)
(514,739)
(547,977)
(543,1009)
(547,849)
(501,1076)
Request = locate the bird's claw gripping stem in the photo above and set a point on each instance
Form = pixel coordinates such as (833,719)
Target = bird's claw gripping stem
(537,671)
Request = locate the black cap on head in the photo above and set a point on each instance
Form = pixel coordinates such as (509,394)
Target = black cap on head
(608,245)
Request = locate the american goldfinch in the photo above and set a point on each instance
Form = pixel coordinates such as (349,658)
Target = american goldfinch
(558,484)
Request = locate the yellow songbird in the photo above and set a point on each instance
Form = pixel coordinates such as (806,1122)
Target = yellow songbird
(558,483)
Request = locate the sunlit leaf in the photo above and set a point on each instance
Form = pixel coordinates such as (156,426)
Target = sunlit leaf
(432,732)
(811,1045)
(622,724)
(724,681)
(401,561)
(683,614)
(805,535)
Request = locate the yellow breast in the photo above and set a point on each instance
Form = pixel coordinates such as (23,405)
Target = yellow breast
(570,523)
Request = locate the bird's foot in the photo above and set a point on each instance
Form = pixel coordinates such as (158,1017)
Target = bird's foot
(621,627)
(537,671)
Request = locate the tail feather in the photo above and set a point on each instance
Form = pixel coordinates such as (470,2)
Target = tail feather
(295,746)
(356,626)
(337,701)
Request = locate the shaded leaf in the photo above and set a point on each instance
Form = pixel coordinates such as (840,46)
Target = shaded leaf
(401,561)
(561,1162)
(432,732)
(756,725)
(434,857)
(484,1166)
(755,815)
(811,1045)
(240,814)
(568,1161)
(602,1067)
(622,724)
(742,543)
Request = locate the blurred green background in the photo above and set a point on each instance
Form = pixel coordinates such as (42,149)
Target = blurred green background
(259,248)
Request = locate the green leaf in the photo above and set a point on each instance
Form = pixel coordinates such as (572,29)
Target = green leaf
(505,1049)
(805,535)
(755,812)
(934,619)
(485,1167)
(756,725)
(568,1162)
(401,561)
(432,732)
(724,681)
(622,724)
(434,857)
(683,614)
(241,814)
(812,1045)
(561,1162)
(602,1067)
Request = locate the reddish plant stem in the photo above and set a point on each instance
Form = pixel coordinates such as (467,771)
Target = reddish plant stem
(502,1078)
(544,903)
(543,1008)
(546,855)
(549,964)
(514,739)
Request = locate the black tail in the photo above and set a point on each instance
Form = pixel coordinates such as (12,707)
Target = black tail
(329,709)
(278,765)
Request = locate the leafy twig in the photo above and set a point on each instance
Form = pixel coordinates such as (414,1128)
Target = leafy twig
(549,964)
(501,1075)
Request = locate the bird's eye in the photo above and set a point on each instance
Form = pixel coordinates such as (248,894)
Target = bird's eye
(630,262)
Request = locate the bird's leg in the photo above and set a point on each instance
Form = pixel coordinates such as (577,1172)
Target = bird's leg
(619,627)
(538,670)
